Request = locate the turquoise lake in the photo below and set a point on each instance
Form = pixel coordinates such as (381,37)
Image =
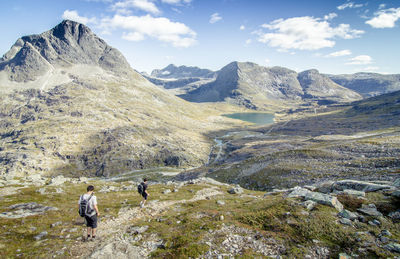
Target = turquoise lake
(256,118)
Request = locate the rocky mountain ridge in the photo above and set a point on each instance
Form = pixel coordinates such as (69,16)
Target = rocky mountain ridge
(251,85)
(369,84)
(178,72)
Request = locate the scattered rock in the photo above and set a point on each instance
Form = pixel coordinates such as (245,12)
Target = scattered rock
(396,183)
(175,190)
(359,186)
(41,235)
(310,187)
(137,230)
(348,215)
(370,210)
(221,217)
(109,188)
(26,209)
(83,179)
(324,199)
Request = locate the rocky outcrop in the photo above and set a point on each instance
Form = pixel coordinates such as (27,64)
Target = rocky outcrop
(359,186)
(22,210)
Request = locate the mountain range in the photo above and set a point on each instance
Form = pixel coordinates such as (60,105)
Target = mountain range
(71,104)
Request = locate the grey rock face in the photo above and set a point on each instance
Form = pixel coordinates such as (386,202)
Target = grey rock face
(172,71)
(66,44)
(298,192)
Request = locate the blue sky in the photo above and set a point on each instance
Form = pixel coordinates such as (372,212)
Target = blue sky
(332,36)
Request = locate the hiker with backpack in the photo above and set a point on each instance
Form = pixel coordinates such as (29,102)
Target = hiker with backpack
(88,209)
(142,190)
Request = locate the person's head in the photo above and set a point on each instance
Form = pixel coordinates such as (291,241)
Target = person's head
(90,188)
(144,180)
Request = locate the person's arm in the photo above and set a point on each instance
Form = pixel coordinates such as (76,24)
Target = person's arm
(97,210)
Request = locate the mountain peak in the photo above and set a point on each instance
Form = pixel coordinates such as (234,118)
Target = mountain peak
(68,43)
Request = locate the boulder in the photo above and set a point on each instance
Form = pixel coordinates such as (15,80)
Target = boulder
(298,192)
(235,190)
(324,199)
(41,235)
(166,191)
(370,210)
(396,183)
(353,193)
(359,186)
(58,180)
(345,221)
(393,247)
(219,202)
(348,215)
(325,187)
(374,222)
(396,194)
(309,205)
(395,215)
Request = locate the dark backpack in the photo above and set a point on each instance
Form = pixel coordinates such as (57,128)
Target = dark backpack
(84,208)
(140,188)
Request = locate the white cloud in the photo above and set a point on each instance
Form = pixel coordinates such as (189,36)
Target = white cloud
(74,16)
(349,5)
(176,2)
(381,6)
(161,28)
(215,17)
(385,18)
(304,33)
(144,5)
(340,53)
(330,16)
(248,41)
(360,60)
(242,27)
(267,61)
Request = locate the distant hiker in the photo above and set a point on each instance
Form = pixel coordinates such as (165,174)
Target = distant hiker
(88,209)
(142,189)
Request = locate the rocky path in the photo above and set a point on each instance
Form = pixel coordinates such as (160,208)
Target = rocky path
(112,241)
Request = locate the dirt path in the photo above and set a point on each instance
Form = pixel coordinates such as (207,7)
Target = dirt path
(112,241)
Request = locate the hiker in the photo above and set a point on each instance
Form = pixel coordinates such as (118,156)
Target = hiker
(142,189)
(88,209)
